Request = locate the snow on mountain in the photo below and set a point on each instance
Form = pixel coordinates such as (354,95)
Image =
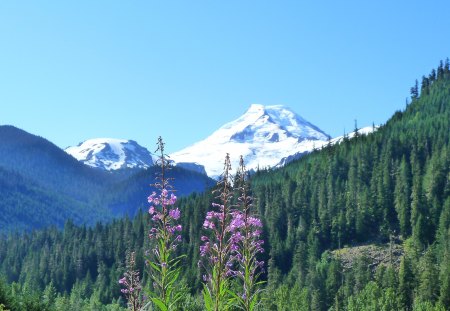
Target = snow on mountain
(111,154)
(263,136)
(362,131)
(266,136)
(337,140)
(320,144)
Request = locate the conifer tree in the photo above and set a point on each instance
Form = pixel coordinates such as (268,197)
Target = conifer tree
(406,284)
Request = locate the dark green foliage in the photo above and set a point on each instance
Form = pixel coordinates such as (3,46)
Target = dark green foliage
(406,283)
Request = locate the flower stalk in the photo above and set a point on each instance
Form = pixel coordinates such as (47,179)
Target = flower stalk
(132,284)
(230,251)
(162,261)
(218,246)
(249,245)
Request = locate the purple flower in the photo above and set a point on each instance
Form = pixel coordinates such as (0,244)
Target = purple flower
(156,217)
(209,215)
(237,222)
(256,233)
(175,213)
(173,199)
(164,193)
(170,229)
(151,197)
(204,249)
(256,222)
(236,237)
(208,224)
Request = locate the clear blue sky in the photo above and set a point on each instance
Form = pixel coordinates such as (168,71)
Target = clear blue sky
(74,70)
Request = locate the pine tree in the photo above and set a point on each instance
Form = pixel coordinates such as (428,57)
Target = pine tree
(444,278)
(402,197)
(406,284)
(415,91)
(427,290)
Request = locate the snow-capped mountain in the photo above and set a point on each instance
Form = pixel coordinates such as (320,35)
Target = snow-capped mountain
(111,154)
(263,136)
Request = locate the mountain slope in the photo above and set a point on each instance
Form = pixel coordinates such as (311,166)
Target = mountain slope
(263,136)
(42,162)
(25,205)
(111,154)
(42,185)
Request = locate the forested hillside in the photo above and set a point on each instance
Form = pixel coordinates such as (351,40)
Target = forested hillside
(327,218)
(41,185)
(392,185)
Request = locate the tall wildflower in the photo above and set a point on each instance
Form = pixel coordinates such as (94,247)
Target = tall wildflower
(162,261)
(249,244)
(132,284)
(218,246)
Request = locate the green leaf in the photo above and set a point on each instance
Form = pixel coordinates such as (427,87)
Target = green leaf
(160,304)
(154,266)
(207,298)
(254,302)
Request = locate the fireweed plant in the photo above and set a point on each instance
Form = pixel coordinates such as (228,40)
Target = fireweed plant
(249,245)
(133,287)
(217,248)
(162,261)
(230,252)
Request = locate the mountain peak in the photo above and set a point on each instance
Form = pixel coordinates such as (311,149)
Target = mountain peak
(111,154)
(269,123)
(256,108)
(262,135)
